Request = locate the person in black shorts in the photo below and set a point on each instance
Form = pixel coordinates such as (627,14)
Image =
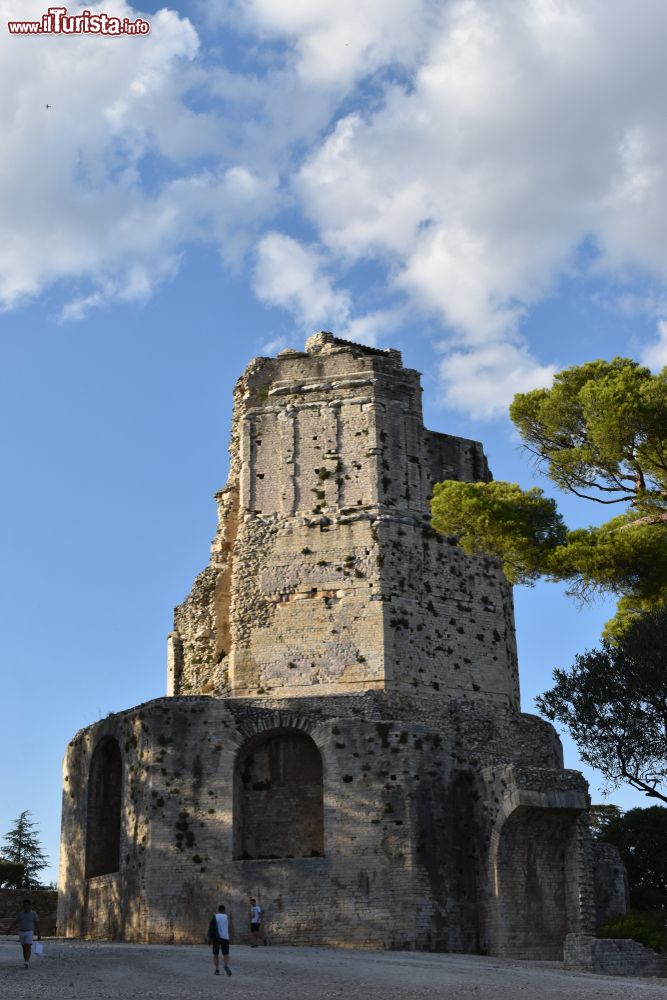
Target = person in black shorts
(218,937)
(255,921)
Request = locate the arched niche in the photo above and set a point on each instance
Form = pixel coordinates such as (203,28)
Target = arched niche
(105,785)
(278,800)
(535,883)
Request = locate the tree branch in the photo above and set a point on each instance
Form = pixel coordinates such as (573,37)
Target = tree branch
(647,519)
(585,496)
(642,786)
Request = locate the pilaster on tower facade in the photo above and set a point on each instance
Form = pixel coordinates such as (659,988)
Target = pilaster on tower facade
(326,576)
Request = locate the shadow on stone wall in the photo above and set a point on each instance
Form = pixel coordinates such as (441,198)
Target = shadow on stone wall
(44,903)
(407,822)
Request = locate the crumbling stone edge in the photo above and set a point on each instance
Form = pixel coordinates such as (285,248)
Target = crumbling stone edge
(612,956)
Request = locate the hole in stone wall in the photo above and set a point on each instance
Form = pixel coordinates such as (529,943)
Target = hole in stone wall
(278,801)
(105,785)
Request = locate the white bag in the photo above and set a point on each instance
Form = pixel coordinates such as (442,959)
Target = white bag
(38,948)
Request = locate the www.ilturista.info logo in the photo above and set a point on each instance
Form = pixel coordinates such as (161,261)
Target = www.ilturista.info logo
(57,21)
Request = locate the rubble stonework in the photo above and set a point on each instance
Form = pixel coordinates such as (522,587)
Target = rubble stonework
(612,957)
(325,572)
(342,736)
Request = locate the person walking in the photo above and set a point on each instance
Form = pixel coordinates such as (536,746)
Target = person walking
(28,925)
(219,930)
(255,921)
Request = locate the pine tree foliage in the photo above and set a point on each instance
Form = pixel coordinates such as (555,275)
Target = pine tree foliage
(600,815)
(600,432)
(21,845)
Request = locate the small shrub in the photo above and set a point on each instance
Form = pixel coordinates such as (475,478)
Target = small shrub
(647,927)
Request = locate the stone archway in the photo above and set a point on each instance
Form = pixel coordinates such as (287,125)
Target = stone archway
(534,902)
(278,797)
(105,786)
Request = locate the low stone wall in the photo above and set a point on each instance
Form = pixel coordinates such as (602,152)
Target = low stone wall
(610,882)
(612,956)
(44,903)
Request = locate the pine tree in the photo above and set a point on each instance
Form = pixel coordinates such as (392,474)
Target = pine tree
(21,845)
(599,432)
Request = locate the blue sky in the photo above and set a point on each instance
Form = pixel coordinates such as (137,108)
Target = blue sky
(479,184)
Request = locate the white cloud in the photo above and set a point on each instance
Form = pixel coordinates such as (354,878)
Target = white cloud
(334,44)
(373,328)
(483,381)
(136,283)
(640,304)
(527,129)
(454,180)
(655,354)
(293,276)
(84,190)
(465,150)
(273,346)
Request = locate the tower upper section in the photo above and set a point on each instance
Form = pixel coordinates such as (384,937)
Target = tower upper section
(326,576)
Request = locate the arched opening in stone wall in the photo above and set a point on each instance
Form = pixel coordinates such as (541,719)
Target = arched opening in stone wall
(105,785)
(278,800)
(536,892)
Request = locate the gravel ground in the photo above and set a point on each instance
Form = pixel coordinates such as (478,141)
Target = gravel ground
(82,970)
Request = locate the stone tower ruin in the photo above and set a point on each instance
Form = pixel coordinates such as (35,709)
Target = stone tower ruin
(342,736)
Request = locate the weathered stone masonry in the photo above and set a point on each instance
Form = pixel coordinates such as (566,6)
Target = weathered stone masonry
(342,736)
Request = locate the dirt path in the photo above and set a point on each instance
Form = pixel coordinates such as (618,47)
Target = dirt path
(79,970)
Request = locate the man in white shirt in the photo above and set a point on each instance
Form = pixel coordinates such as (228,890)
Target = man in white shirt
(255,919)
(219,930)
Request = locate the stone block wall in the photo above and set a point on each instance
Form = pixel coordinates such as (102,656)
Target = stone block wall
(44,903)
(539,877)
(325,574)
(342,737)
(612,957)
(278,799)
(612,896)
(403,819)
